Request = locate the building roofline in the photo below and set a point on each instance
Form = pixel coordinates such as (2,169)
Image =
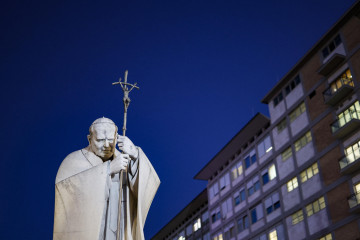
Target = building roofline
(196,203)
(250,128)
(353,10)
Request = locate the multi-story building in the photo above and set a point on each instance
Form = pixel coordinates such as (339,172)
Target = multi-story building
(296,175)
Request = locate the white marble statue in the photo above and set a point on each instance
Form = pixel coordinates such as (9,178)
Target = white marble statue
(87,188)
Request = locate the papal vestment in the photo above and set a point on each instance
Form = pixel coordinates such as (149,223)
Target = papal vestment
(86,198)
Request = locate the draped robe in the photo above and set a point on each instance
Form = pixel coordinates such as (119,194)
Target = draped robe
(86,198)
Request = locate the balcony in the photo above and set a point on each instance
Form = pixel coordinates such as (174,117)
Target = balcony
(335,60)
(354,202)
(350,163)
(338,90)
(347,123)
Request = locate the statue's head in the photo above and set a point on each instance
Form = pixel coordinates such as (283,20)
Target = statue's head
(101,137)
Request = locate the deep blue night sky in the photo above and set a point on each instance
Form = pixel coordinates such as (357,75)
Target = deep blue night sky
(202,68)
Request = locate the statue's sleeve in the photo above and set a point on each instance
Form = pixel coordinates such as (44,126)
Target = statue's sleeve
(80,204)
(133,172)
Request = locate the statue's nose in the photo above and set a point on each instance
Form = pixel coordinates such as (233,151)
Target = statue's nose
(107,144)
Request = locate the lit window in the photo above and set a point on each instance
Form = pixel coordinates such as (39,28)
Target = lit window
(273,235)
(281,126)
(315,207)
(250,159)
(353,152)
(269,174)
(327,237)
(264,146)
(218,236)
(236,171)
(197,225)
(292,184)
(346,116)
(297,217)
(297,112)
(344,79)
(303,141)
(285,155)
(309,173)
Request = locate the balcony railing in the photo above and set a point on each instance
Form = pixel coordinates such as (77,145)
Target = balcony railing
(350,162)
(354,201)
(338,90)
(346,124)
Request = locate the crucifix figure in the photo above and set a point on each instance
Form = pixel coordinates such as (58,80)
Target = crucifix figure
(102,193)
(125,87)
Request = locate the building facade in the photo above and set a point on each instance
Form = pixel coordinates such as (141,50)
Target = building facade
(295,175)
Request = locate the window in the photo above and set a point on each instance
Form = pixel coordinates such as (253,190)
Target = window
(236,171)
(303,141)
(297,217)
(273,235)
(243,223)
(281,126)
(197,225)
(352,152)
(331,46)
(272,203)
(214,190)
(218,236)
(253,185)
(229,231)
(206,236)
(239,197)
(344,79)
(224,181)
(250,159)
(285,155)
(353,112)
(309,173)
(292,184)
(215,215)
(278,99)
(315,207)
(264,146)
(205,217)
(226,206)
(189,230)
(327,237)
(297,112)
(181,235)
(269,174)
(256,213)
(292,85)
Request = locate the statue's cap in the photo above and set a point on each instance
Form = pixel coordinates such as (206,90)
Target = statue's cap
(103,120)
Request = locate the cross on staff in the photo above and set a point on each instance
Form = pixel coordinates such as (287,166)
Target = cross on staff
(125,87)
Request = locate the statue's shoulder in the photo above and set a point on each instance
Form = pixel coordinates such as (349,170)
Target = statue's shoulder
(73,163)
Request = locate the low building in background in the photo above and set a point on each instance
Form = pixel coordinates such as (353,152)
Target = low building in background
(295,175)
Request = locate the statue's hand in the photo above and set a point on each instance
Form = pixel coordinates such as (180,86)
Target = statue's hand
(127,146)
(119,163)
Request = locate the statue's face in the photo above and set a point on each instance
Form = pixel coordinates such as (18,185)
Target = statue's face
(102,139)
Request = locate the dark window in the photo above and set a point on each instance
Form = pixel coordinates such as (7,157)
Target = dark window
(242,195)
(265,178)
(237,200)
(247,162)
(278,99)
(331,46)
(273,207)
(253,216)
(243,223)
(291,86)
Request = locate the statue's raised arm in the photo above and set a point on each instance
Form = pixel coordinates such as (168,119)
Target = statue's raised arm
(87,188)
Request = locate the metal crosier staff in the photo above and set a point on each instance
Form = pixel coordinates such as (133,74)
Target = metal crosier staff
(126,100)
